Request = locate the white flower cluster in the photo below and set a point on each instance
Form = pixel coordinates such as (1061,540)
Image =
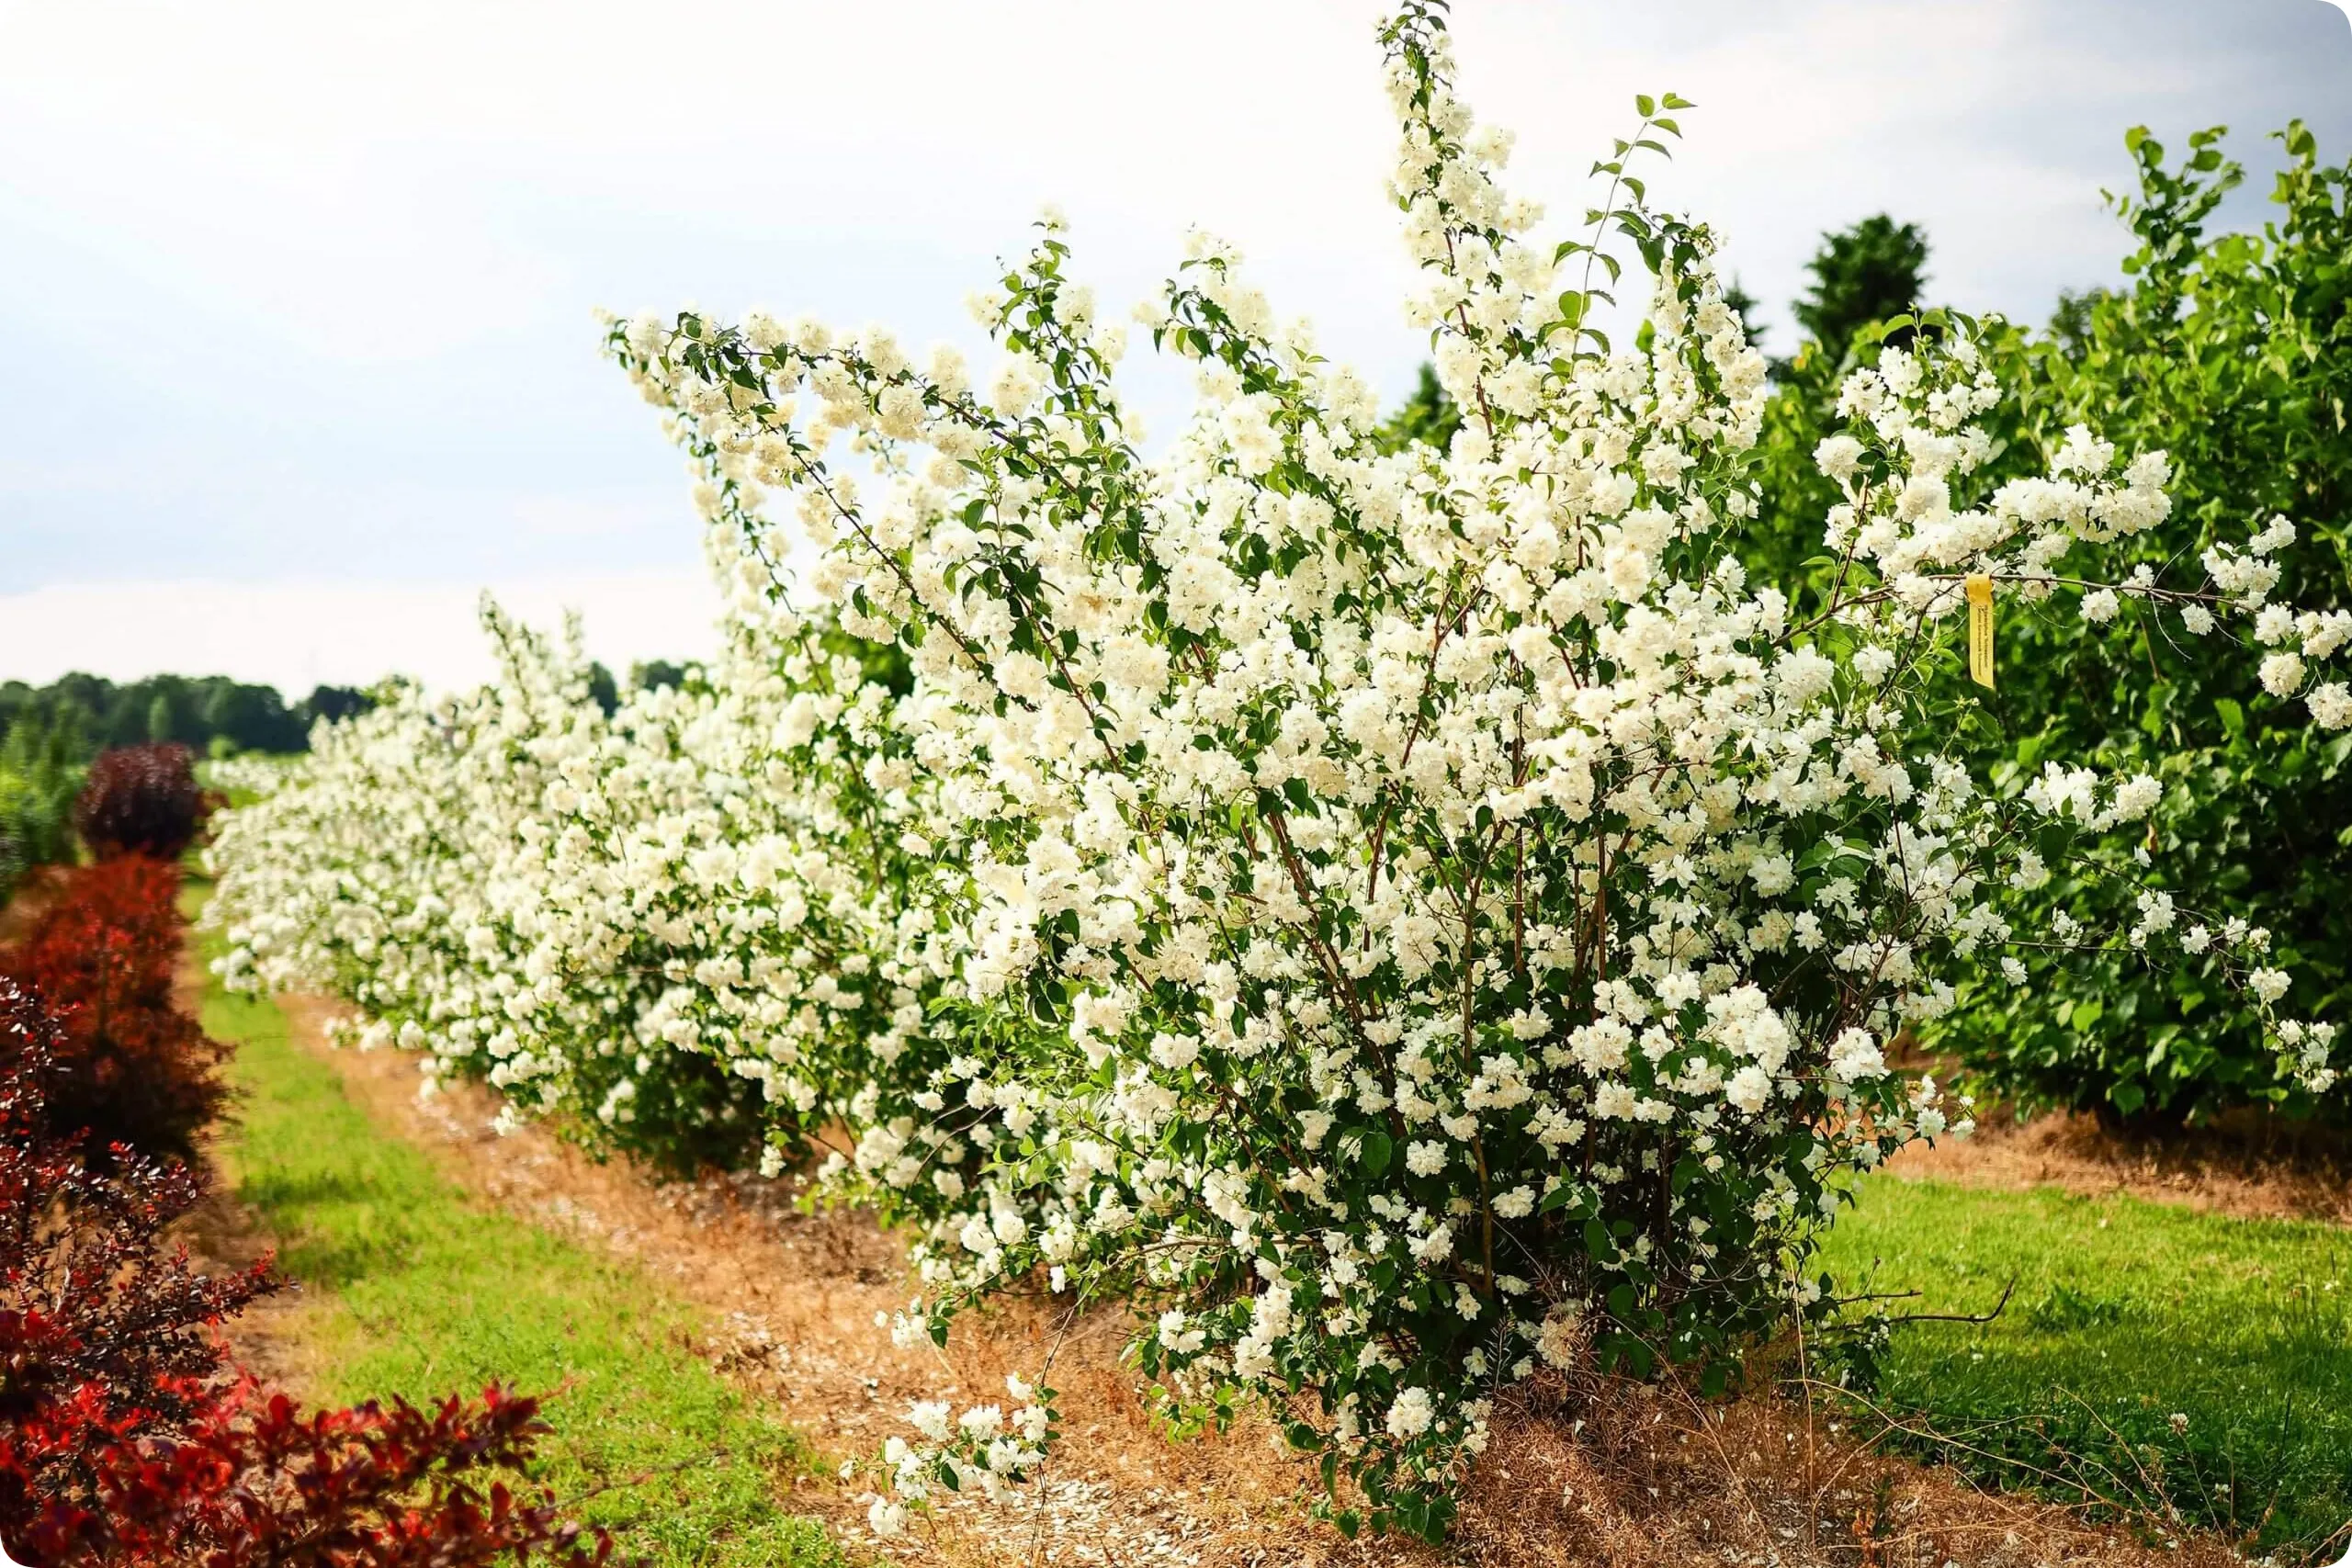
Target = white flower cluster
(1397,918)
(648,923)
(255,775)
(1002,1450)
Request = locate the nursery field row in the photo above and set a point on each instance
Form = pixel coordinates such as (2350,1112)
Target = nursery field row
(2121,1312)
(707,1351)
(407,1284)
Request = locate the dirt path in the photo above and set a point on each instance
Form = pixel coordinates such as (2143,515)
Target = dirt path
(222,1235)
(795,1297)
(1640,1477)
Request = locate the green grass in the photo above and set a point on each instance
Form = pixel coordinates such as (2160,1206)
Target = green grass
(2124,1313)
(417,1291)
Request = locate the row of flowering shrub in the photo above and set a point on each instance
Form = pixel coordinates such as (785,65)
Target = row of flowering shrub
(1395,917)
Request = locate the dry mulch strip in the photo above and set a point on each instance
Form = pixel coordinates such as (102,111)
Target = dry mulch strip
(2245,1164)
(1607,1473)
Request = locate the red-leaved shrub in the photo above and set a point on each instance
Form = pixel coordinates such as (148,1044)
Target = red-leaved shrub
(102,1332)
(88,1298)
(123,1439)
(132,1068)
(141,800)
(255,1482)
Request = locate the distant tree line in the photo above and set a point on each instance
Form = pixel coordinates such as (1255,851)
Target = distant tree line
(209,714)
(647,676)
(50,735)
(212,715)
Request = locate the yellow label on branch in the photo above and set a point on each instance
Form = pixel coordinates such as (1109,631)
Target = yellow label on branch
(1980,629)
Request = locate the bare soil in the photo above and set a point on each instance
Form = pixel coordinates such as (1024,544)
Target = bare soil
(223,1235)
(1600,1473)
(32,896)
(2244,1164)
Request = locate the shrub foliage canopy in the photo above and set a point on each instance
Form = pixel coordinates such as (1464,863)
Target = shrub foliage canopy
(141,800)
(130,1065)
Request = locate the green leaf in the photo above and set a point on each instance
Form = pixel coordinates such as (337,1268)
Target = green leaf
(1369,1147)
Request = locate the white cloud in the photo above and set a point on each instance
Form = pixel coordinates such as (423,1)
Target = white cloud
(302,292)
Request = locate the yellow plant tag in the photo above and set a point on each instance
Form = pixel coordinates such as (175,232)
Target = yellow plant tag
(1980,629)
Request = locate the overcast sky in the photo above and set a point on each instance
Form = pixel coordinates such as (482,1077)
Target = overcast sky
(296,351)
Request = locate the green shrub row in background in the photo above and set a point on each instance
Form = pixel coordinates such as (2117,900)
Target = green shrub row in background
(2233,352)
(40,770)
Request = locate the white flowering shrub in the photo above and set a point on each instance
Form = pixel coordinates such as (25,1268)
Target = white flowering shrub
(249,777)
(411,865)
(633,923)
(1397,920)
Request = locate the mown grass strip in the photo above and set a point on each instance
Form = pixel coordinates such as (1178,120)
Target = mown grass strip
(2125,1315)
(416,1290)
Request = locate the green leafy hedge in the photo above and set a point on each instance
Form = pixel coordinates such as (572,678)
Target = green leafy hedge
(40,776)
(2233,352)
